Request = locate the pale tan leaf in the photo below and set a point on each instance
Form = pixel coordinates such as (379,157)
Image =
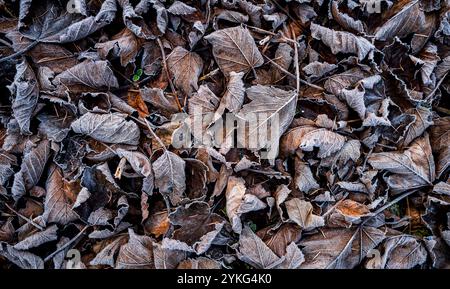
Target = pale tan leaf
(301,212)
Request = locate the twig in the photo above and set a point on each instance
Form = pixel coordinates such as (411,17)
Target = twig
(119,169)
(6,43)
(66,245)
(25,218)
(297,70)
(133,84)
(282,9)
(270,33)
(442,109)
(155,136)
(394,201)
(123,76)
(428,98)
(292,75)
(18,53)
(169,78)
(361,226)
(335,205)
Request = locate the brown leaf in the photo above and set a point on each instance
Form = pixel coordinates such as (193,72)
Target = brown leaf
(87,75)
(234,50)
(293,258)
(402,252)
(136,254)
(234,196)
(406,18)
(124,45)
(186,67)
(158,223)
(167,259)
(198,228)
(339,248)
(414,168)
(137,102)
(234,95)
(109,128)
(26,91)
(253,251)
(199,263)
(279,241)
(138,161)
(170,176)
(31,169)
(440,137)
(304,179)
(301,213)
(60,198)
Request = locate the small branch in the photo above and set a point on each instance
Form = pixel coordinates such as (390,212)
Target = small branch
(292,75)
(119,169)
(428,98)
(269,33)
(155,136)
(18,53)
(6,43)
(66,245)
(25,218)
(335,205)
(297,70)
(442,109)
(169,78)
(394,201)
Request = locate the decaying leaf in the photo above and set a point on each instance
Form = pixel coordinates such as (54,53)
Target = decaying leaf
(414,168)
(59,199)
(136,254)
(198,228)
(342,42)
(31,169)
(170,177)
(108,128)
(339,248)
(234,95)
(253,251)
(215,134)
(235,50)
(402,252)
(124,45)
(300,212)
(185,66)
(25,88)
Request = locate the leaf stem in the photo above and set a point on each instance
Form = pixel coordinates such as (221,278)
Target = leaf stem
(20,52)
(292,75)
(28,220)
(166,70)
(155,136)
(66,245)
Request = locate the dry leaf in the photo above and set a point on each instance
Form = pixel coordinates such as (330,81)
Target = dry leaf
(235,50)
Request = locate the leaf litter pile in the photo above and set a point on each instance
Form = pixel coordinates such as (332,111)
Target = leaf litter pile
(87,163)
